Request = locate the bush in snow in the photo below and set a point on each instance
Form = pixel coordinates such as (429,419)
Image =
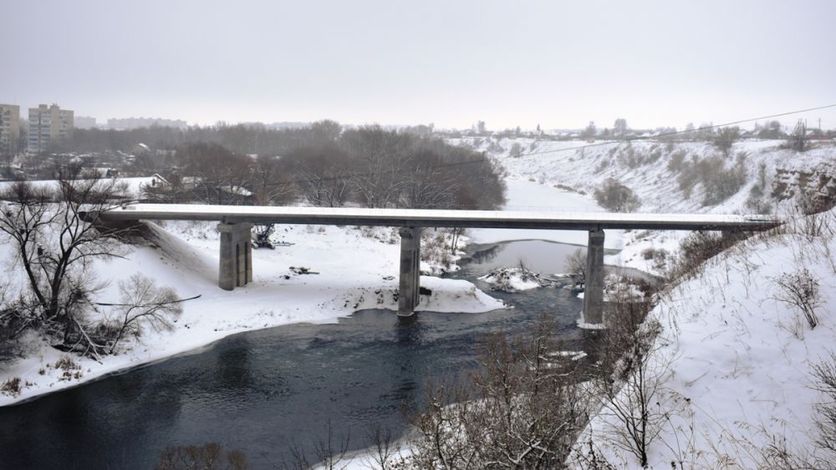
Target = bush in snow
(698,247)
(757,200)
(677,159)
(209,456)
(576,264)
(725,138)
(142,303)
(524,409)
(11,387)
(616,197)
(719,182)
(630,381)
(516,150)
(800,290)
(825,375)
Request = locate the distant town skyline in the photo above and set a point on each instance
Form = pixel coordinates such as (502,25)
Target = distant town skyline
(556,64)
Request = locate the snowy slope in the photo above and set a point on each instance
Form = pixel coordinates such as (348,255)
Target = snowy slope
(734,362)
(560,174)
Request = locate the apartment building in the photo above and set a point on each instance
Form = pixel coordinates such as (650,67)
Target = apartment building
(48,124)
(9,128)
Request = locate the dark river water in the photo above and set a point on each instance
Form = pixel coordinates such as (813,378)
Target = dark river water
(266,391)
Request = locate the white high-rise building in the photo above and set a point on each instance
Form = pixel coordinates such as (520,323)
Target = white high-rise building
(9,128)
(48,124)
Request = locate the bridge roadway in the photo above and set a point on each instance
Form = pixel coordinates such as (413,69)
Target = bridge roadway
(235,224)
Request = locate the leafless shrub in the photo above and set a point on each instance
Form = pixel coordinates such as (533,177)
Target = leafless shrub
(576,264)
(757,200)
(262,235)
(525,411)
(384,449)
(209,456)
(11,386)
(141,303)
(725,138)
(825,375)
(800,290)
(617,197)
(630,382)
(587,457)
(677,159)
(659,256)
(69,367)
(328,453)
(698,247)
(720,182)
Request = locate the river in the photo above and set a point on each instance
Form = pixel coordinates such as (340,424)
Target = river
(266,391)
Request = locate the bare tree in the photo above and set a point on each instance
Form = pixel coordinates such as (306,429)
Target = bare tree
(55,241)
(384,449)
(379,156)
(269,183)
(322,174)
(425,184)
(725,138)
(525,412)
(630,381)
(223,175)
(141,303)
(798,139)
(576,264)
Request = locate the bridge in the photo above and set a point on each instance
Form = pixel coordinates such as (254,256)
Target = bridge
(235,224)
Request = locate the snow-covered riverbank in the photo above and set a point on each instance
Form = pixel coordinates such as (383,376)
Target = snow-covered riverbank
(355,269)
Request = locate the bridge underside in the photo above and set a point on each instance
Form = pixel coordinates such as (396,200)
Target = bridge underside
(236,268)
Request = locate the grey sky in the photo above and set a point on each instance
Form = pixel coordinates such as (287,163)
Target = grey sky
(556,63)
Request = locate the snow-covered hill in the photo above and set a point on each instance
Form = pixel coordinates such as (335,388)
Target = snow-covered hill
(667,177)
(732,363)
(732,367)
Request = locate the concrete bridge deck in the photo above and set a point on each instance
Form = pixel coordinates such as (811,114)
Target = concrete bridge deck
(440,218)
(235,224)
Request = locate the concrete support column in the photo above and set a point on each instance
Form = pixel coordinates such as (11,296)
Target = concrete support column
(410,272)
(236,257)
(593,294)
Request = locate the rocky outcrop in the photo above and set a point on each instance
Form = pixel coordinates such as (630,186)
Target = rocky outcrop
(817,185)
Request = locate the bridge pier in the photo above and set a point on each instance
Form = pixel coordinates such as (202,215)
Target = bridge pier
(236,259)
(410,272)
(593,294)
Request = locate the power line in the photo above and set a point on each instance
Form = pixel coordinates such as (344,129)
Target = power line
(597,144)
(674,133)
(571,149)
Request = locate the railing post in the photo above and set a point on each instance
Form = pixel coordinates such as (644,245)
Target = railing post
(593,294)
(409,283)
(235,261)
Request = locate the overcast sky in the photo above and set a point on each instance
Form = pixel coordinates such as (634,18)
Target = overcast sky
(554,63)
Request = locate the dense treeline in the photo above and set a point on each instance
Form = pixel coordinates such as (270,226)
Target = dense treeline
(369,166)
(241,138)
